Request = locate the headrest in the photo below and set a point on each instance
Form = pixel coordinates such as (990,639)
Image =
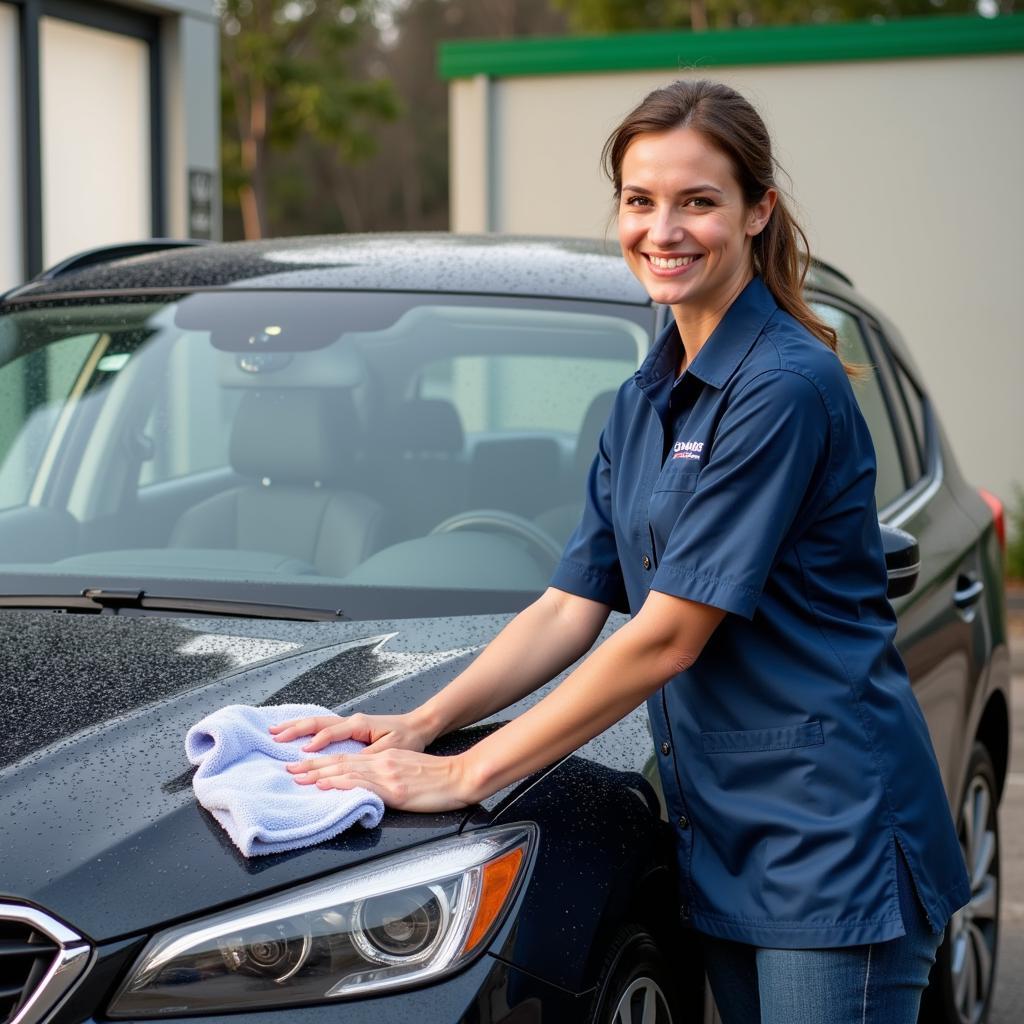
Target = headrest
(294,435)
(593,421)
(425,425)
(500,467)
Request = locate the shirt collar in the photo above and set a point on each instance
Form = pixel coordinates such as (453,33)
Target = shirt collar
(725,348)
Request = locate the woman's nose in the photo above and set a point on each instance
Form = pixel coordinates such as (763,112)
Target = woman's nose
(667,229)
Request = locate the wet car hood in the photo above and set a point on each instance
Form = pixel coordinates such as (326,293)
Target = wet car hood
(98,821)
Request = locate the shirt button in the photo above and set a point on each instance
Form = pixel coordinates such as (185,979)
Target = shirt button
(646,562)
(684,912)
(666,747)
(684,821)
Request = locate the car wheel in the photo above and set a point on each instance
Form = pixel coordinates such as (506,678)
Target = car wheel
(635,986)
(960,990)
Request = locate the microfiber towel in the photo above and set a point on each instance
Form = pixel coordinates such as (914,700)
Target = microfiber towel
(243,783)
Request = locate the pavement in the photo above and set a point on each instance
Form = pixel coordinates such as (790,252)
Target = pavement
(1008,1005)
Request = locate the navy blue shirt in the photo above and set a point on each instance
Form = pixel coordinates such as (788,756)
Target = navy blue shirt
(794,757)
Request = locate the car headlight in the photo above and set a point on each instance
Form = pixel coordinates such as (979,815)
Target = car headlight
(397,921)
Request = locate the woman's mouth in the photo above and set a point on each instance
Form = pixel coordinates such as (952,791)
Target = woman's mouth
(670,265)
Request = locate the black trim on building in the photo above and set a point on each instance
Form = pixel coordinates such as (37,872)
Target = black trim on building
(109,17)
(157,193)
(31,139)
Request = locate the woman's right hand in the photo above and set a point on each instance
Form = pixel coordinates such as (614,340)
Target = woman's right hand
(379,732)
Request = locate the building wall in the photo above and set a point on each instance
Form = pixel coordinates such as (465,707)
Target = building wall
(96,169)
(111,116)
(906,174)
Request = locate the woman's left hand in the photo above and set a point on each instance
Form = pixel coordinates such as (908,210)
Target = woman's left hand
(405,780)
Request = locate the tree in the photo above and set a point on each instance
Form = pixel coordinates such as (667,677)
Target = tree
(284,79)
(405,184)
(652,15)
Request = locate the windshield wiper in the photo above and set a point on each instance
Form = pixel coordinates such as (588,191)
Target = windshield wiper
(99,600)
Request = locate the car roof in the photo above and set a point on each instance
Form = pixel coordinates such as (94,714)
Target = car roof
(484,264)
(517,265)
(408,262)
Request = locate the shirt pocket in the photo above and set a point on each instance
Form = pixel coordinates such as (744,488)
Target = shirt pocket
(745,741)
(672,491)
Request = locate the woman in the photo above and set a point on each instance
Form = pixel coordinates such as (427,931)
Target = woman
(730,508)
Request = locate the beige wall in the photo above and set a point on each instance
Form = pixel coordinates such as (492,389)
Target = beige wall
(95,138)
(10,152)
(907,175)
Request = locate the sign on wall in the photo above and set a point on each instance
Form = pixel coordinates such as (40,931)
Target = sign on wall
(200,204)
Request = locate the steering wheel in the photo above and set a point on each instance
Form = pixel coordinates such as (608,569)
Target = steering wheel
(499,521)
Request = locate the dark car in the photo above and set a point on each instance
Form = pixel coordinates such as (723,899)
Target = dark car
(328,470)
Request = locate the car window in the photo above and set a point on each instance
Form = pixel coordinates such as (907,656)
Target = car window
(188,429)
(890,481)
(33,390)
(906,431)
(505,394)
(422,453)
(913,403)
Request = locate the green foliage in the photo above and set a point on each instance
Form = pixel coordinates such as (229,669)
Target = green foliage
(1015,534)
(651,15)
(284,79)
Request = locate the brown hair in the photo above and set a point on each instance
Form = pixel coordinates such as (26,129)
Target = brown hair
(730,123)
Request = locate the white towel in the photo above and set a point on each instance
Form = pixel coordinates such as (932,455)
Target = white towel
(243,783)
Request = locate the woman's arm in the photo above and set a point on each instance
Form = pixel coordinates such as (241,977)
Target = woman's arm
(543,640)
(665,638)
(540,642)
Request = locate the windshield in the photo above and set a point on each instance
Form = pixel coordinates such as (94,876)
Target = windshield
(382,454)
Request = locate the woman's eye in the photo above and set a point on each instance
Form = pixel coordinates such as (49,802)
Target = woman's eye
(701,202)
(637,201)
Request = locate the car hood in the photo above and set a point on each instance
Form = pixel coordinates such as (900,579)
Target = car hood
(98,821)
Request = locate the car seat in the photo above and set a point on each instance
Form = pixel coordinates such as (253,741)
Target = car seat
(295,447)
(561,520)
(418,465)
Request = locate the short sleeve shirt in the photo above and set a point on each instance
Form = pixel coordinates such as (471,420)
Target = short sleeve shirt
(793,755)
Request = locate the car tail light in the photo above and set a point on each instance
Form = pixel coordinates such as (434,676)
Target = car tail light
(998,515)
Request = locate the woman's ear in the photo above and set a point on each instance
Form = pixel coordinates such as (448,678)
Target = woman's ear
(758,214)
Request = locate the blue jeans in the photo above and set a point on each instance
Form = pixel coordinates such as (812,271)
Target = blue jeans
(879,983)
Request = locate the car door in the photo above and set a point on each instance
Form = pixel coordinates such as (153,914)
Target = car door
(939,641)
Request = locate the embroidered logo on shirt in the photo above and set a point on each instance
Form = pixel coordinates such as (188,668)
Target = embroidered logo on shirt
(687,449)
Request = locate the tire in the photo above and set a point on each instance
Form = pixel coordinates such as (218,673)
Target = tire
(961,983)
(634,976)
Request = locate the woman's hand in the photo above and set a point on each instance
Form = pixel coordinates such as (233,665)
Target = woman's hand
(379,732)
(405,780)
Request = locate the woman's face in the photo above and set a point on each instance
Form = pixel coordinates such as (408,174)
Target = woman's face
(684,227)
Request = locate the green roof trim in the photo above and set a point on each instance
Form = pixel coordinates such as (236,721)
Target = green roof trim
(909,37)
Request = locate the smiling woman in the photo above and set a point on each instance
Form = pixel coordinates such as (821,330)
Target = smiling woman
(730,507)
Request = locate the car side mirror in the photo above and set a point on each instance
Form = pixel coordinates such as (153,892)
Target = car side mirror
(902,560)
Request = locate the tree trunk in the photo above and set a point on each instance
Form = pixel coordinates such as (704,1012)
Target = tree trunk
(254,162)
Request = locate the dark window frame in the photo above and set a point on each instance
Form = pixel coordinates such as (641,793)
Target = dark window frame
(931,457)
(877,348)
(931,448)
(899,409)
(901,373)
